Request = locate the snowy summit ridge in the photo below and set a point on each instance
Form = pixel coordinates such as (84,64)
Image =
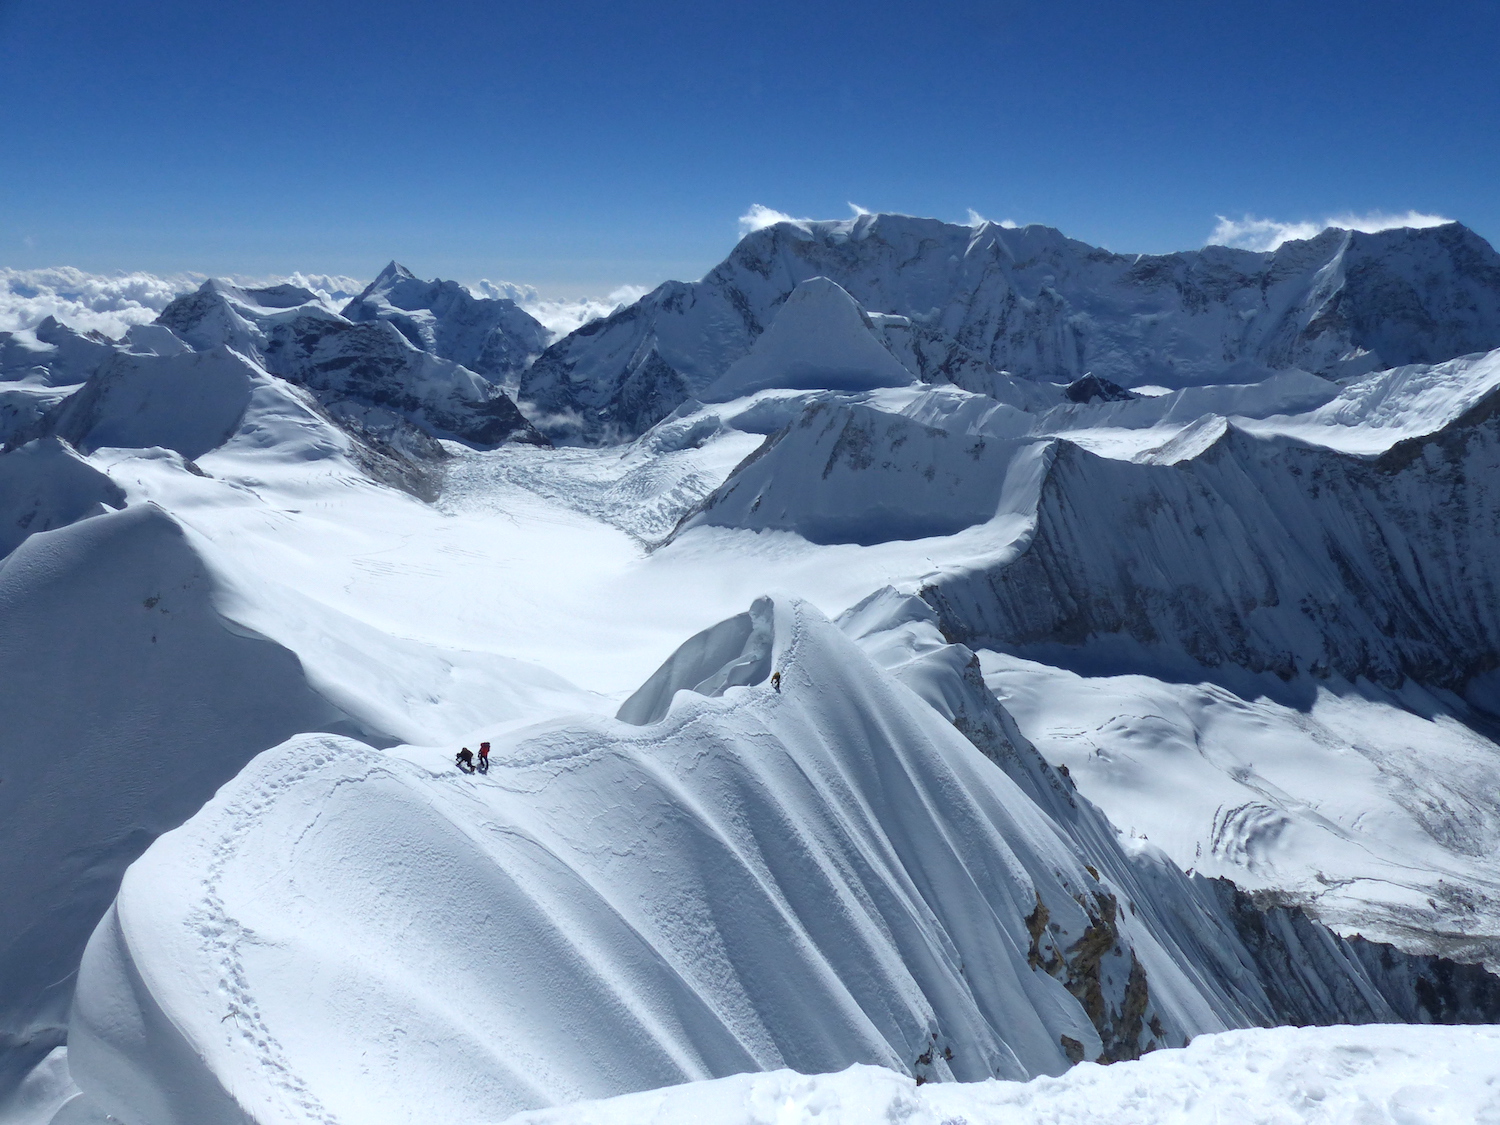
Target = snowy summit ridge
(1040,306)
(916,663)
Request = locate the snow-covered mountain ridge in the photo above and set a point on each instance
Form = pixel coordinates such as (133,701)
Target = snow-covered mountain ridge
(1040,306)
(1101,717)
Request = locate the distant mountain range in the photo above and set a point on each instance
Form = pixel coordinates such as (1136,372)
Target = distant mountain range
(1039,306)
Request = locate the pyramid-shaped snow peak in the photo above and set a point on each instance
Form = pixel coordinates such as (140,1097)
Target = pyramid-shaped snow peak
(820,340)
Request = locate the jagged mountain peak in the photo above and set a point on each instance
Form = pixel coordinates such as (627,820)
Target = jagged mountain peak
(393,272)
(490,335)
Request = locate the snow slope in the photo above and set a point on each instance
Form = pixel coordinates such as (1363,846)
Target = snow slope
(812,875)
(129,700)
(820,340)
(44,485)
(149,654)
(1303,1076)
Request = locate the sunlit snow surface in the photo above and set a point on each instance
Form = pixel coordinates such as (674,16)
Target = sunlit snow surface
(1378,1075)
(533,589)
(545,586)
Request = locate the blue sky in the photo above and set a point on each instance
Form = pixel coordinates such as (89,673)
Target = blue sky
(580,146)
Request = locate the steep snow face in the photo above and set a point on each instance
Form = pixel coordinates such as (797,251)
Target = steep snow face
(492,336)
(189,403)
(1044,307)
(942,361)
(52,354)
(186,405)
(1261,554)
(820,340)
(854,473)
(353,369)
(733,653)
(129,700)
(44,485)
(1289,1076)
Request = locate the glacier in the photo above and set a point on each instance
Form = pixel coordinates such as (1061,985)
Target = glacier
(1132,628)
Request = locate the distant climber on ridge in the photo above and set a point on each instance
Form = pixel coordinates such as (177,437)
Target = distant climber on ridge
(484,757)
(465,760)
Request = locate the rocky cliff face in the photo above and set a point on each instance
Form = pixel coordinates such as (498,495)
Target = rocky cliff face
(1047,308)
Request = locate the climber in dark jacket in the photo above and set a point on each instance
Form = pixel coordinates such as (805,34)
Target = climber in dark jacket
(465,760)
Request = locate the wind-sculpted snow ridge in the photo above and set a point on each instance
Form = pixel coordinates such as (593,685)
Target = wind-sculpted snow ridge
(733,653)
(368,373)
(811,874)
(492,336)
(1287,1076)
(1314,587)
(129,700)
(1041,307)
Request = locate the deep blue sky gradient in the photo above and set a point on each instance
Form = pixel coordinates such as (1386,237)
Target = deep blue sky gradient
(579,146)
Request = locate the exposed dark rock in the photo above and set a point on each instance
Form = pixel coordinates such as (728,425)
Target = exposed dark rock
(1091,388)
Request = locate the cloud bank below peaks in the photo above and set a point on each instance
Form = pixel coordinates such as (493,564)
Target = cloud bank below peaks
(111,304)
(1250,233)
(561,315)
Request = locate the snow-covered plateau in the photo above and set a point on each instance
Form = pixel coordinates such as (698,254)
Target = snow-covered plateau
(932,673)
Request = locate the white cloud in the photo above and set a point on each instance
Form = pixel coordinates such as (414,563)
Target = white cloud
(978,220)
(334,288)
(759,217)
(563,315)
(505,290)
(1250,233)
(85,301)
(111,303)
(858,210)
